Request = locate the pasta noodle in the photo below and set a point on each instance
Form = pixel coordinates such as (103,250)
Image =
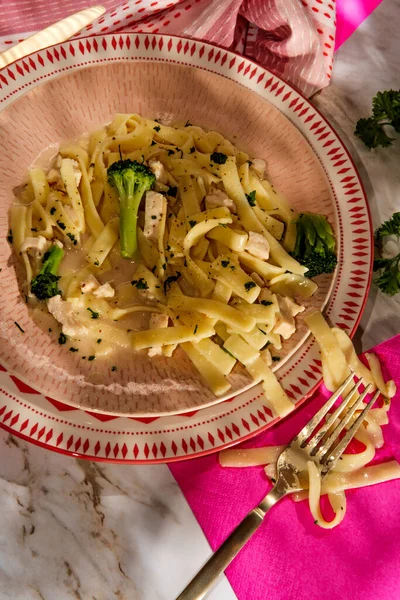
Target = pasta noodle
(211,265)
(353,470)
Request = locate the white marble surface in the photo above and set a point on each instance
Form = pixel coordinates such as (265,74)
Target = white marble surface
(86,531)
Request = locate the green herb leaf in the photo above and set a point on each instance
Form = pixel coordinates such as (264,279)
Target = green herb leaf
(19,327)
(95,315)
(218,158)
(249,285)
(171,279)
(251,198)
(140,284)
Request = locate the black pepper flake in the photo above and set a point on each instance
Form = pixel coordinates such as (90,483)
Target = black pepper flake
(92,357)
(73,349)
(52,210)
(113,368)
(62,338)
(157,128)
(61,225)
(266,302)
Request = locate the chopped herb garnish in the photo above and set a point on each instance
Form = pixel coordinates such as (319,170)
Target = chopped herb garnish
(188,124)
(224,263)
(266,302)
(249,285)
(171,279)
(99,341)
(195,329)
(73,349)
(10,237)
(170,151)
(52,210)
(276,358)
(96,263)
(152,143)
(263,332)
(72,238)
(192,149)
(91,357)
(227,351)
(223,225)
(192,223)
(62,338)
(140,284)
(232,268)
(251,198)
(249,162)
(113,368)
(19,327)
(219,158)
(154,217)
(172,191)
(50,330)
(33,229)
(61,225)
(153,269)
(95,315)
(157,128)
(316,522)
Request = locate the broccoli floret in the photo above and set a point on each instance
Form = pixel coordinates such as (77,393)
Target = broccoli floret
(45,284)
(315,244)
(131,180)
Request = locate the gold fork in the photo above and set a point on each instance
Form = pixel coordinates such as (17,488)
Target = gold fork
(323,446)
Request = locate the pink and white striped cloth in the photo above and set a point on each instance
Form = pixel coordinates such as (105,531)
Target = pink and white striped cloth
(294,39)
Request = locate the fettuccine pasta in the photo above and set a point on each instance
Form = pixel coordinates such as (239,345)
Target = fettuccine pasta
(212,272)
(353,470)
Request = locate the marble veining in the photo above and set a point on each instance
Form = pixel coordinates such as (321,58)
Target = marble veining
(78,530)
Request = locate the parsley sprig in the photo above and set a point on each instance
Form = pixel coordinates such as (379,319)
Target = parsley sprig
(385,111)
(389,268)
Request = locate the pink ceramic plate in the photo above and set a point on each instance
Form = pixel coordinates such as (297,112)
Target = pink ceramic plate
(313,169)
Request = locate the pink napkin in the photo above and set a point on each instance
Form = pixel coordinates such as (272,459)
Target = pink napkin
(290,558)
(293,39)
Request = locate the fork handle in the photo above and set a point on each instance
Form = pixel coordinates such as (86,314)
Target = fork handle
(201,584)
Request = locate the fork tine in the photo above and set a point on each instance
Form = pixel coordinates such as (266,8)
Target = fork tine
(313,442)
(328,443)
(331,457)
(307,430)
